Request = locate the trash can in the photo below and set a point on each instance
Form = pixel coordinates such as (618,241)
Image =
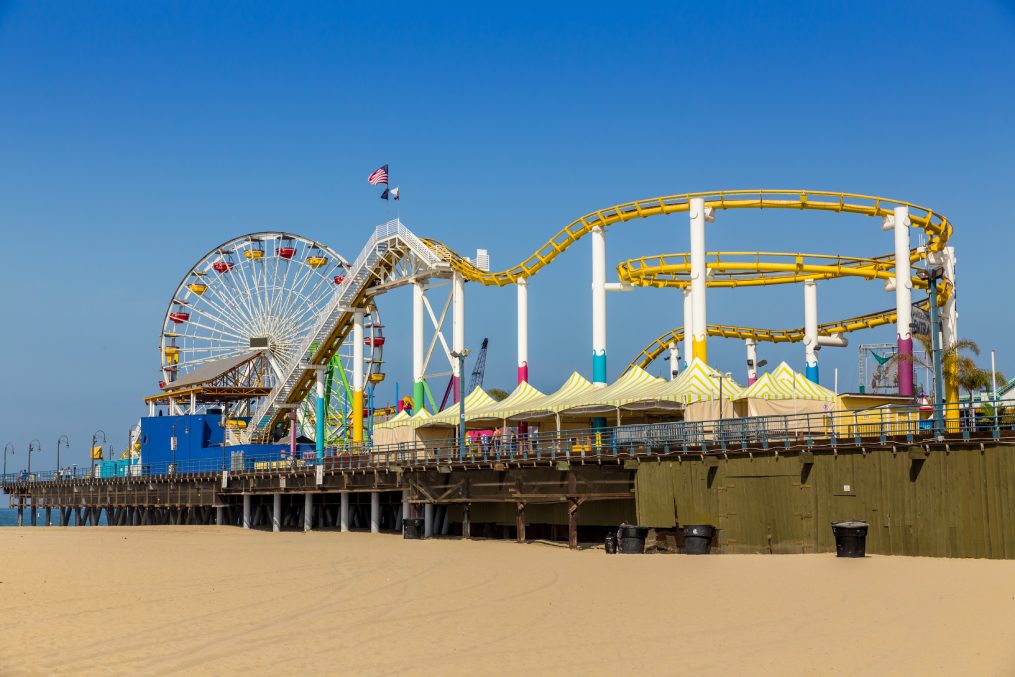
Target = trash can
(412,528)
(850,538)
(698,538)
(611,543)
(632,539)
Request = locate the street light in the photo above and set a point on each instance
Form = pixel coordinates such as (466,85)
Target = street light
(460,356)
(932,275)
(91,451)
(63,439)
(8,449)
(37,445)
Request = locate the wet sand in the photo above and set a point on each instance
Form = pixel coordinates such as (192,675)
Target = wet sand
(208,600)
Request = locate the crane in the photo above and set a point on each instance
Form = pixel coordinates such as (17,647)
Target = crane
(480,369)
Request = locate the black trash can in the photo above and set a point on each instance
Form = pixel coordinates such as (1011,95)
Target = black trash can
(631,539)
(698,538)
(850,538)
(412,528)
(611,543)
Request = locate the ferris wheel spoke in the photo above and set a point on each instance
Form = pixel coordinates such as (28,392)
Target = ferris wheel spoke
(222,312)
(226,295)
(216,319)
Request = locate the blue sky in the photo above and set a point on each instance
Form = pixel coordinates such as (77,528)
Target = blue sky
(136,136)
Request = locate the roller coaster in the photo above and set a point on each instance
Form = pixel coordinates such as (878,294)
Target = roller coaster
(393,256)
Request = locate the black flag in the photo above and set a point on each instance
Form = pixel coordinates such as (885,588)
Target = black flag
(384,195)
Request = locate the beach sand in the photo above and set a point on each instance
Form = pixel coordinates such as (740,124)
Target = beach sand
(208,600)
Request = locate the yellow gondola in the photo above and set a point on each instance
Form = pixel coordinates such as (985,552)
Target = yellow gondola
(254,254)
(317,261)
(376,377)
(197,287)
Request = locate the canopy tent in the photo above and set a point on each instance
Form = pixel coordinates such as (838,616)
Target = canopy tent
(630,387)
(706,393)
(549,405)
(518,401)
(477,399)
(781,392)
(399,429)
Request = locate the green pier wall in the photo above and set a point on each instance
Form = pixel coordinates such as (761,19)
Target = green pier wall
(958,503)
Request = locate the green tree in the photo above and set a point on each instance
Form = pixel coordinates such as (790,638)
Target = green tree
(497,394)
(971,376)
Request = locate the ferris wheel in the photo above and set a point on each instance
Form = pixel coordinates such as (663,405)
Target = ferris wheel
(264,292)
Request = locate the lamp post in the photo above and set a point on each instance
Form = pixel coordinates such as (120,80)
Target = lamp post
(8,450)
(932,275)
(34,445)
(91,451)
(460,356)
(63,439)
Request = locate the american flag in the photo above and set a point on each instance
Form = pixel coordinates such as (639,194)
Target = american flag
(379,176)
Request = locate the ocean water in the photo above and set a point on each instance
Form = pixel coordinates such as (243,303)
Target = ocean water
(9,517)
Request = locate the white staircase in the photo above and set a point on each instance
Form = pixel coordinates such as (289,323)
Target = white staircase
(390,243)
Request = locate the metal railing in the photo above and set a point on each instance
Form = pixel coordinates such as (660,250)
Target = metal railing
(806,430)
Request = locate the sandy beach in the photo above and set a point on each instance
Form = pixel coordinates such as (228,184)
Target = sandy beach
(207,600)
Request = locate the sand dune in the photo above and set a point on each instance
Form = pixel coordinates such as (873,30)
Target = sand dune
(207,600)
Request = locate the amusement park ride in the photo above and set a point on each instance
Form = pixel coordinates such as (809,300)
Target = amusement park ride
(277,334)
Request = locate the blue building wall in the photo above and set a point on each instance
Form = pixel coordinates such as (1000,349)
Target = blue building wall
(199,440)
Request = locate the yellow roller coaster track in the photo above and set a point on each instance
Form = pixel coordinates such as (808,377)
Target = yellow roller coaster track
(753,269)
(936,226)
(661,344)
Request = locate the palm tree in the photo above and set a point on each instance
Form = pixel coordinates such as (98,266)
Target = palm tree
(971,377)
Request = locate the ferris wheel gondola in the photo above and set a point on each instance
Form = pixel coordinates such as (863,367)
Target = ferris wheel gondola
(261,292)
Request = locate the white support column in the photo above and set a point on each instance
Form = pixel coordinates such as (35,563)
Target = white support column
(811,330)
(405,504)
(674,360)
(457,329)
(276,513)
(193,403)
(417,346)
(220,515)
(246,511)
(699,346)
(308,511)
(688,325)
(357,375)
(427,520)
(752,361)
(903,300)
(375,512)
(523,329)
(343,511)
(151,408)
(599,306)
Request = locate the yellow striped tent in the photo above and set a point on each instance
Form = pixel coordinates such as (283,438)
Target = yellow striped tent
(630,387)
(550,405)
(475,400)
(517,402)
(781,392)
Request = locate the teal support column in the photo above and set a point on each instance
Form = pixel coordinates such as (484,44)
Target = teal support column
(321,416)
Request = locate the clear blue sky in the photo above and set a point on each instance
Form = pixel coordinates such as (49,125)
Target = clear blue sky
(137,135)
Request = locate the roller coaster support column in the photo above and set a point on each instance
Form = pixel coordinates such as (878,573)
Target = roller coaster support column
(598,306)
(688,322)
(523,329)
(457,330)
(523,340)
(949,335)
(321,413)
(674,360)
(357,375)
(811,330)
(752,361)
(699,329)
(903,298)
(598,314)
(417,347)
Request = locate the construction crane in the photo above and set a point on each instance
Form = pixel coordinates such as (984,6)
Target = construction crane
(480,369)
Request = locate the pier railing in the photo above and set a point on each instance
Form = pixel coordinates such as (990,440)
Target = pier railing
(986,421)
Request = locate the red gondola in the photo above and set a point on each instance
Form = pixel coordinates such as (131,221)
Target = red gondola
(222,266)
(179,317)
(287,252)
(162,384)
(339,279)
(375,341)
